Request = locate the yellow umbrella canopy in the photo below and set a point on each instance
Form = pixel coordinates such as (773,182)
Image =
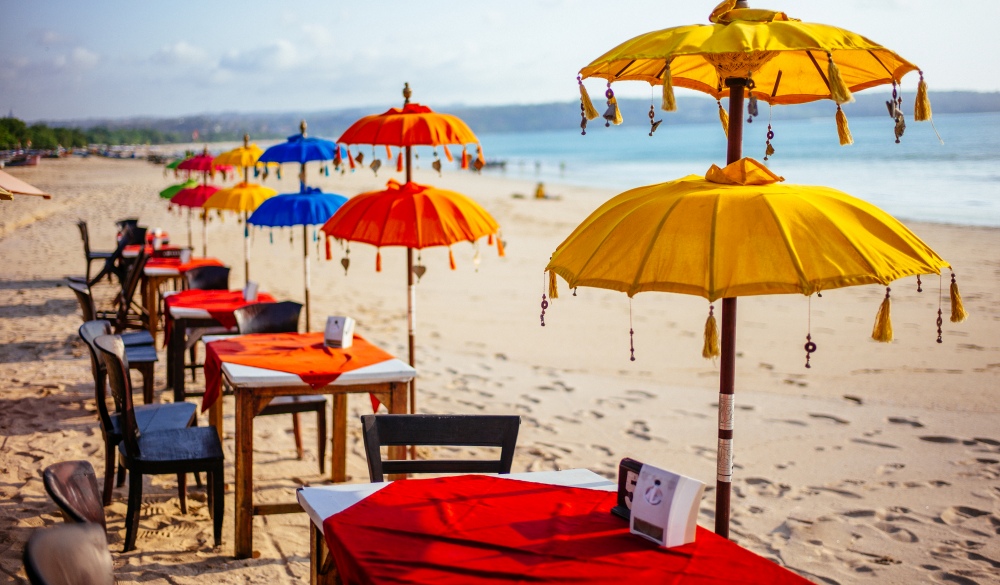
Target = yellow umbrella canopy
(783,60)
(690,236)
(242,198)
(243,157)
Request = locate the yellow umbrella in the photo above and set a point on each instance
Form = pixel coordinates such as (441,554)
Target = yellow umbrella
(244,156)
(242,198)
(6,195)
(780,60)
(734,232)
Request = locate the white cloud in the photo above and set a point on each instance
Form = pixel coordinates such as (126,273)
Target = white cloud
(83,58)
(279,55)
(179,53)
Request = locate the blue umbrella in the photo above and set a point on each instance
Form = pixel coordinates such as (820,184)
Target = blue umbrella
(309,206)
(300,148)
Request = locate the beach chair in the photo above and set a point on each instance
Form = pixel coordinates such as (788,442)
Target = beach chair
(72,485)
(207,278)
(131,314)
(283,317)
(117,264)
(467,430)
(154,452)
(69,554)
(90,313)
(149,417)
(88,254)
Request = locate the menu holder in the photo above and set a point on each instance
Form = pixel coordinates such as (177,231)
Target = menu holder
(250,291)
(665,506)
(339,332)
(628,474)
(185,255)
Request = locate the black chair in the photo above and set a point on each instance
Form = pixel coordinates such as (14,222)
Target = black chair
(117,264)
(88,254)
(283,317)
(175,451)
(69,554)
(207,278)
(438,430)
(90,313)
(150,417)
(131,314)
(72,485)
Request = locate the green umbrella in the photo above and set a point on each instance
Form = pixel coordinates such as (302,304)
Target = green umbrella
(172,190)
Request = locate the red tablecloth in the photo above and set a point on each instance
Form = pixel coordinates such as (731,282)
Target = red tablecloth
(472,529)
(302,354)
(133,249)
(220,305)
(182,268)
(150,236)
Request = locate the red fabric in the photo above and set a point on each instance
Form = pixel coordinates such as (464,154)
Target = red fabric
(182,268)
(220,305)
(134,249)
(302,354)
(150,236)
(472,529)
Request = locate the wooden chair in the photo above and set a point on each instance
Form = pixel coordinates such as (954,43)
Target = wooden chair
(90,313)
(154,452)
(117,264)
(72,485)
(150,417)
(69,554)
(283,317)
(131,314)
(438,430)
(88,254)
(207,278)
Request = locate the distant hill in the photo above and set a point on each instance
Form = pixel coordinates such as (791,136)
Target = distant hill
(514,118)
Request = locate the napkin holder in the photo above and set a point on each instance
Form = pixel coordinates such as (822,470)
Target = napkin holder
(665,506)
(185,255)
(250,291)
(339,332)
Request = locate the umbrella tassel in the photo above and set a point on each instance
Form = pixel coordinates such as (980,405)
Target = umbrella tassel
(350,159)
(451,259)
(465,159)
(500,247)
(843,132)
(378,261)
(883,323)
(958,313)
(710,349)
(329,252)
(669,102)
(399,162)
(589,111)
(723,117)
(553,286)
(545,301)
(839,91)
(388,152)
(447,153)
(612,115)
(922,105)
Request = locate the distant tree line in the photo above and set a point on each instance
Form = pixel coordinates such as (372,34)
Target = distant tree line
(16,133)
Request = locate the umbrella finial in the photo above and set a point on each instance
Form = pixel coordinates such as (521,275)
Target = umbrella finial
(406,93)
(302,127)
(246,140)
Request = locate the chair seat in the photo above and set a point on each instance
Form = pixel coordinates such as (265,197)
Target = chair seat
(141,337)
(290,404)
(151,418)
(99,255)
(140,354)
(174,450)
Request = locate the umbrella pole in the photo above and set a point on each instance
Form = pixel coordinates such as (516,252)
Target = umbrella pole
(411,308)
(204,233)
(727,366)
(305,263)
(246,248)
(190,245)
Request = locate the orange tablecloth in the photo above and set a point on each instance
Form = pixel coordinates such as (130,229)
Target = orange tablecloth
(302,354)
(472,530)
(133,249)
(220,305)
(182,268)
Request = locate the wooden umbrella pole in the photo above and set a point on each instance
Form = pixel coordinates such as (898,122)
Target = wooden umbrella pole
(204,232)
(411,304)
(246,248)
(190,245)
(727,367)
(305,262)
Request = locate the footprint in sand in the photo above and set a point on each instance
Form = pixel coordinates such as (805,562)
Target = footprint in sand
(889,468)
(874,443)
(607,451)
(899,420)
(839,492)
(956,515)
(829,417)
(639,430)
(896,533)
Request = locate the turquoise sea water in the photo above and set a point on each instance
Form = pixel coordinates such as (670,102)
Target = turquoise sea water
(919,179)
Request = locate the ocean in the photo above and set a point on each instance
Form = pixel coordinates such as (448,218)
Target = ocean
(957,182)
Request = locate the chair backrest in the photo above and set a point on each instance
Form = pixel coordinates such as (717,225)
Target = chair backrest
(438,430)
(280,317)
(69,554)
(89,332)
(85,236)
(129,287)
(72,485)
(113,352)
(86,300)
(208,278)
(131,222)
(114,264)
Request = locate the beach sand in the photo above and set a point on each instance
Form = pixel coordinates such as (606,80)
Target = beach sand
(881,463)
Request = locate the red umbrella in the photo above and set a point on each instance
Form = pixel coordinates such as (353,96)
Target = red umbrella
(196,197)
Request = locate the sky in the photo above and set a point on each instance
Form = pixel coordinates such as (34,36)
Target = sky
(64,60)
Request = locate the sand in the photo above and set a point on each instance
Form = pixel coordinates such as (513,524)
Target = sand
(881,463)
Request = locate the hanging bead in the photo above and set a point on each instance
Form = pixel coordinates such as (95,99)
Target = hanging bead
(810,347)
(653,125)
(574,291)
(545,305)
(752,110)
(631,333)
(769,150)
(919,289)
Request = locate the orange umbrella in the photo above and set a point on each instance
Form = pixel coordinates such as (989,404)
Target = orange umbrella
(415,216)
(406,127)
(16,186)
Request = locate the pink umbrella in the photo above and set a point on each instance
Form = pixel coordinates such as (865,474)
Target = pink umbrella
(196,197)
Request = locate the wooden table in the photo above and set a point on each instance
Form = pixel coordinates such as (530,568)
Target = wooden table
(255,387)
(321,502)
(152,278)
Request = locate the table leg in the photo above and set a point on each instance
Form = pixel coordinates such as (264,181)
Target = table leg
(215,415)
(397,405)
(319,560)
(152,304)
(244,474)
(175,358)
(338,442)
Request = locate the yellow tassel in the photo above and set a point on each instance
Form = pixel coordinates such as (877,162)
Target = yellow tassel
(613,114)
(838,89)
(711,347)
(500,249)
(588,106)
(883,324)
(724,118)
(378,261)
(922,106)
(842,130)
(553,287)
(669,103)
(958,313)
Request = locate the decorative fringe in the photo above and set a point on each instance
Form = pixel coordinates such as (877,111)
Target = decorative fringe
(378,261)
(838,89)
(500,248)
(329,252)
(958,313)
(711,347)
(451,259)
(447,153)
(922,105)
(388,152)
(669,102)
(724,118)
(489,239)
(588,106)
(842,130)
(465,159)
(553,285)
(613,115)
(883,323)
(479,154)
(350,159)
(399,162)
